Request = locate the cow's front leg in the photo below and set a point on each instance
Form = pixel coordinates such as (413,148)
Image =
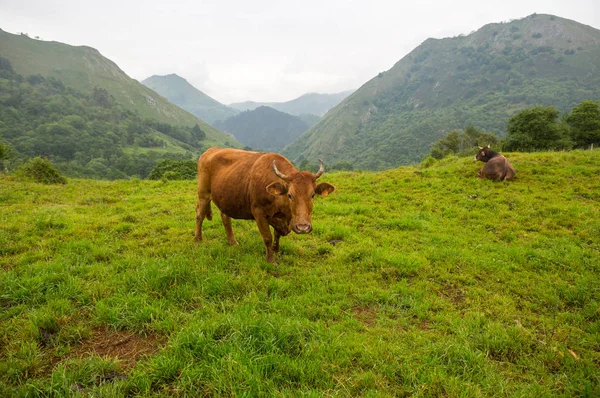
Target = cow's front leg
(276,242)
(265,232)
(228,229)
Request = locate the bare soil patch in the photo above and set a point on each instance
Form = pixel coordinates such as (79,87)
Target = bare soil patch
(127,347)
(365,315)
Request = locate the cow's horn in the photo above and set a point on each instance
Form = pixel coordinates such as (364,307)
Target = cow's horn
(321,169)
(279,173)
(480,147)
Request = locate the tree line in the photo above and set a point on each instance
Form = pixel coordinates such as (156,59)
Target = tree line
(538,128)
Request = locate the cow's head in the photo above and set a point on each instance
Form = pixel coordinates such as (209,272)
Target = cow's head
(484,154)
(299,189)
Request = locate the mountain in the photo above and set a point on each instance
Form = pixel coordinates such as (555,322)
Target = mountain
(84,68)
(481,79)
(180,92)
(84,135)
(264,128)
(312,103)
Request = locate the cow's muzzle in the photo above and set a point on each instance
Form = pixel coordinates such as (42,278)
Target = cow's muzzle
(302,228)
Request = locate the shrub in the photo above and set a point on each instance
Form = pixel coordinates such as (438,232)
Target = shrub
(428,161)
(41,170)
(170,169)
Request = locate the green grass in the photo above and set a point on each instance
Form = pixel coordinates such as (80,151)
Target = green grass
(415,281)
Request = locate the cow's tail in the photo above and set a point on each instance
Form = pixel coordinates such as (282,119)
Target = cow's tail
(503,176)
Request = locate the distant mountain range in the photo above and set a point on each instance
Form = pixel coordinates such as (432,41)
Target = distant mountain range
(84,68)
(480,79)
(177,90)
(267,126)
(311,104)
(264,128)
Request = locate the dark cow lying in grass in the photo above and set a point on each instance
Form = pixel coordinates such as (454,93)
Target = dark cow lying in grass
(496,167)
(264,187)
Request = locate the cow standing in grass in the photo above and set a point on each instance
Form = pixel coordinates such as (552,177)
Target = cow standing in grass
(264,187)
(496,167)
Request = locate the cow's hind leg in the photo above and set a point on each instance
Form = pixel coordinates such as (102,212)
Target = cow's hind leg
(202,211)
(228,229)
(204,196)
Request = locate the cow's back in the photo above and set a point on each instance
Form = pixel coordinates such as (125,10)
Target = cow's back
(510,171)
(498,168)
(236,178)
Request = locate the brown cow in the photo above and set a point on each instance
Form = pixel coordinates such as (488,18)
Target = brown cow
(264,187)
(496,167)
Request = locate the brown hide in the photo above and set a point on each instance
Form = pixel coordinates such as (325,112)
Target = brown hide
(496,167)
(244,185)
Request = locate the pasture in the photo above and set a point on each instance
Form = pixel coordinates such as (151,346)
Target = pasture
(417,281)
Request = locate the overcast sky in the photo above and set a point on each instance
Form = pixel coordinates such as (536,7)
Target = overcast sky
(266,50)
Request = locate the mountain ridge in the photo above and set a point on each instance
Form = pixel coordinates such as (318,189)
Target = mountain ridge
(84,67)
(264,128)
(310,103)
(183,94)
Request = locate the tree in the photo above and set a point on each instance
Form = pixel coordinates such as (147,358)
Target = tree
(197,133)
(537,128)
(343,166)
(102,98)
(4,153)
(5,64)
(584,122)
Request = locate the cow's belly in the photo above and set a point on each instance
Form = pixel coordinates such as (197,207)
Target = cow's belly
(234,209)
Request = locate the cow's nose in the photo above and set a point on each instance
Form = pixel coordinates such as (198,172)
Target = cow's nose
(302,228)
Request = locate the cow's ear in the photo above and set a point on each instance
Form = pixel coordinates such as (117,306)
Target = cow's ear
(277,188)
(324,189)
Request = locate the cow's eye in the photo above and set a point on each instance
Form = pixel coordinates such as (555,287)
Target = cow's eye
(290,196)
(312,195)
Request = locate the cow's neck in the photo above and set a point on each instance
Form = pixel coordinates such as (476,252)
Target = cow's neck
(491,154)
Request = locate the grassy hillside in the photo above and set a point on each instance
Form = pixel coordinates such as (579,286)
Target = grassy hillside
(85,136)
(481,79)
(264,128)
(311,104)
(415,281)
(84,68)
(177,90)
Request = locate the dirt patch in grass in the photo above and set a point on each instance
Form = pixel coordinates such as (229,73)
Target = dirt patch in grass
(366,315)
(454,294)
(124,346)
